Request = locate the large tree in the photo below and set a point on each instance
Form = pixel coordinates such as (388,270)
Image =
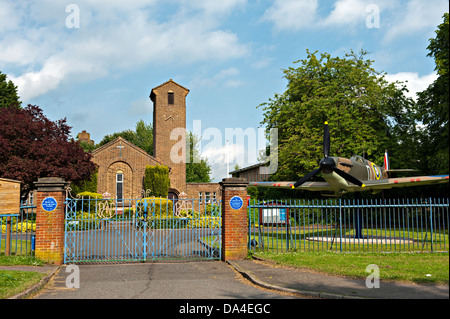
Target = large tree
(8,93)
(142,136)
(366,114)
(433,106)
(32,146)
(197,168)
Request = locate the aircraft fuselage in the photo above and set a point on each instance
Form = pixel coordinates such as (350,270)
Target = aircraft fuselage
(356,166)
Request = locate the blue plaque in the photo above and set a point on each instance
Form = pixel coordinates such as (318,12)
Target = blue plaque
(236,202)
(49,204)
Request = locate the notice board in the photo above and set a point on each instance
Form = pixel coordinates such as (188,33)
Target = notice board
(9,196)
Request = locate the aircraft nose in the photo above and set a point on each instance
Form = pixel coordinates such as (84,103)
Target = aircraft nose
(327,164)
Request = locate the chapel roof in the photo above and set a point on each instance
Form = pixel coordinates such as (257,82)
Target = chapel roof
(136,148)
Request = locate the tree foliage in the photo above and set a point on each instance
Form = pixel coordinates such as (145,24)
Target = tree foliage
(32,146)
(8,93)
(433,106)
(142,136)
(157,180)
(197,168)
(366,114)
(86,185)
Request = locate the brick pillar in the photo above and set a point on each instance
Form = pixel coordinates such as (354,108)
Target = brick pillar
(234,218)
(50,197)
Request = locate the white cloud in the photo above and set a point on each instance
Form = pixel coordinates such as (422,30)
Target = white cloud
(112,37)
(292,14)
(237,146)
(347,12)
(224,77)
(413,81)
(418,15)
(222,6)
(398,18)
(219,155)
(9,18)
(33,84)
(304,14)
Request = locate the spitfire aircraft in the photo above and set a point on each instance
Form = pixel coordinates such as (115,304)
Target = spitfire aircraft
(354,174)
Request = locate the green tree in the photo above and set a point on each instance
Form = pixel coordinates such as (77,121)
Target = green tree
(142,136)
(86,185)
(433,107)
(366,113)
(8,93)
(157,180)
(197,168)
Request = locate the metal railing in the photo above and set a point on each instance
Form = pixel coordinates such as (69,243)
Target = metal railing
(392,225)
(17,232)
(103,230)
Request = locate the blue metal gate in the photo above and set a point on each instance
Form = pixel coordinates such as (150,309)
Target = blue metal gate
(102,230)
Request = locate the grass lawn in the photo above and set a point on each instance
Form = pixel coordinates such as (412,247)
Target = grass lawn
(13,281)
(20,246)
(420,268)
(393,240)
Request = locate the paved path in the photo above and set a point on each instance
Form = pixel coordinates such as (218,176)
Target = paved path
(217,280)
(324,286)
(165,280)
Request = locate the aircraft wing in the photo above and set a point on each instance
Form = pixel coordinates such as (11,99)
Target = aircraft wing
(311,186)
(405,182)
(369,185)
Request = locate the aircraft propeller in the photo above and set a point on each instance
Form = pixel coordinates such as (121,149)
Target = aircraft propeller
(327,164)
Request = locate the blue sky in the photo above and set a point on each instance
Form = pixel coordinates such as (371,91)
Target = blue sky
(230,54)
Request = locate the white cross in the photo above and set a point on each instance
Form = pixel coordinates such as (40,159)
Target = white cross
(120,149)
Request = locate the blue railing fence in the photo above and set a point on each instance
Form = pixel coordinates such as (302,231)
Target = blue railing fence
(17,232)
(342,225)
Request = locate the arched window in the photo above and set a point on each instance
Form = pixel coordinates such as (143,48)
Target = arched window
(170,97)
(119,186)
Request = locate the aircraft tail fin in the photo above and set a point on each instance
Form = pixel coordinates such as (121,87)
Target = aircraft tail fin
(387,168)
(386,161)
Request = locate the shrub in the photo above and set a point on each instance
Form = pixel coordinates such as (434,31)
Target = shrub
(20,227)
(205,222)
(88,201)
(157,180)
(213,209)
(163,206)
(90,195)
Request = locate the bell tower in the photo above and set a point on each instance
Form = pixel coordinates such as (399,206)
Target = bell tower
(169,130)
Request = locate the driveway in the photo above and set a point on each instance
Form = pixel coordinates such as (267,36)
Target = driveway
(158,280)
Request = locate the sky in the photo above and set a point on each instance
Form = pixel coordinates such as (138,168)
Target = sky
(94,62)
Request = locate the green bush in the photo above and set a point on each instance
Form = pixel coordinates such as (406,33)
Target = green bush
(90,195)
(87,201)
(157,180)
(205,222)
(213,209)
(163,207)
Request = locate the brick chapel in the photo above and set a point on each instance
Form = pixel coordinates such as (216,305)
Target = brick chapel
(121,164)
